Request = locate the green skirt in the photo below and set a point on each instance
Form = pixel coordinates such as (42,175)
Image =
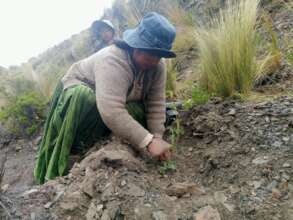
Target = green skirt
(73,122)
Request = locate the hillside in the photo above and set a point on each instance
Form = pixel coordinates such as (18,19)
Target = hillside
(232,156)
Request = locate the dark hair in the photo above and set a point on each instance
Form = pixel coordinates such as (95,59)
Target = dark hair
(123,45)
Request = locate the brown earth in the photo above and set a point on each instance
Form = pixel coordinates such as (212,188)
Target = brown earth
(235,157)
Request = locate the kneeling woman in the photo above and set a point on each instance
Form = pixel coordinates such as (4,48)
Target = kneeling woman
(121,89)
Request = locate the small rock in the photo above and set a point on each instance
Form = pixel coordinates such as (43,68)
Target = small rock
(18,148)
(285,139)
(285,177)
(180,189)
(221,198)
(29,192)
(276,193)
(159,215)
(4,188)
(33,216)
(190,149)
(286,165)
(260,160)
(272,185)
(88,185)
(277,144)
(106,215)
(134,190)
(123,183)
(207,213)
(257,184)
(277,178)
(48,205)
(232,112)
(94,211)
(267,119)
(234,189)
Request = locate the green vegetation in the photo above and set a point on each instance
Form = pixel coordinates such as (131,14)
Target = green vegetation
(198,97)
(176,132)
(167,166)
(24,114)
(227,50)
(171,79)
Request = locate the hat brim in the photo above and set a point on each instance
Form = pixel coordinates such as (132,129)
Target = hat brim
(131,37)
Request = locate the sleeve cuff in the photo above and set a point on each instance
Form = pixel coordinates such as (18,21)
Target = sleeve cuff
(146,141)
(157,135)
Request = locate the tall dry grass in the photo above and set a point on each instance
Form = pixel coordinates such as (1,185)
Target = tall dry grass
(227,49)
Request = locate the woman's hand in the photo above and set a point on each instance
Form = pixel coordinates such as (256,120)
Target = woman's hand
(160,149)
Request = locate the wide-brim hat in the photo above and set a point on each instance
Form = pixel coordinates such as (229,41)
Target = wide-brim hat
(154,33)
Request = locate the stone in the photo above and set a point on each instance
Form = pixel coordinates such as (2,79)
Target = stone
(180,189)
(134,190)
(285,177)
(94,211)
(123,183)
(18,148)
(74,200)
(48,205)
(88,185)
(105,215)
(112,158)
(221,198)
(260,160)
(276,193)
(33,216)
(286,165)
(232,112)
(159,215)
(207,213)
(4,188)
(234,189)
(29,192)
(272,185)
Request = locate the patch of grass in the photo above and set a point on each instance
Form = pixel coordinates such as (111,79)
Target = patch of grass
(198,97)
(289,57)
(24,114)
(227,49)
(171,79)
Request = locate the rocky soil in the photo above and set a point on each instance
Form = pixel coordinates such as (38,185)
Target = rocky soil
(234,161)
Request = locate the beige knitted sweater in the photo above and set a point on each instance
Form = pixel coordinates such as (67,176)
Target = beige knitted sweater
(111,73)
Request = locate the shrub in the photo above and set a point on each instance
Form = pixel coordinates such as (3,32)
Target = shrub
(24,114)
(227,49)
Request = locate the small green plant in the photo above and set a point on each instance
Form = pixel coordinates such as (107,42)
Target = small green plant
(227,49)
(198,97)
(24,114)
(176,132)
(167,166)
(289,57)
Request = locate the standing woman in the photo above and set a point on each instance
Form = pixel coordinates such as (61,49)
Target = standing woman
(121,89)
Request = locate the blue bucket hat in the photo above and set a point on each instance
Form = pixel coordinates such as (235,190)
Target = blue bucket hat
(154,33)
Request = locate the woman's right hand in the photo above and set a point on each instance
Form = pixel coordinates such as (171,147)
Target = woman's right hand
(159,149)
